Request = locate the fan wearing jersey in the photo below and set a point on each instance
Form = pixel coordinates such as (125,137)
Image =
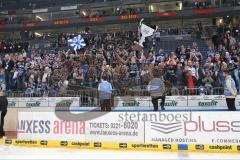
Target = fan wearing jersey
(105,95)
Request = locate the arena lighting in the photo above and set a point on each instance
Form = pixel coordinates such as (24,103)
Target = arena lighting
(84,13)
(40,18)
(38,34)
(151,7)
(220,20)
(180,6)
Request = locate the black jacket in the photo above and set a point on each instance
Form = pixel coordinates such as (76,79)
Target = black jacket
(3,103)
(8,65)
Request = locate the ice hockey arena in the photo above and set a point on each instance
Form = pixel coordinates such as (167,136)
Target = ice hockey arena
(117,79)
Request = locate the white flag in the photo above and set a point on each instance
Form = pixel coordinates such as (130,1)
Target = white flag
(145,31)
(77,42)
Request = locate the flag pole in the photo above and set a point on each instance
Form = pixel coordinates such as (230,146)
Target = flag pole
(139,27)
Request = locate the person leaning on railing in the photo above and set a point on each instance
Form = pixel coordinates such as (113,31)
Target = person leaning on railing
(156,87)
(105,94)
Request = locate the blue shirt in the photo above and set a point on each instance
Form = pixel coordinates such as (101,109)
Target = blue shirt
(233,86)
(182,56)
(105,90)
(211,53)
(160,56)
(2,77)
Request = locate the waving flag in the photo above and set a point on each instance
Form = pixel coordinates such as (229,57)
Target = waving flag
(77,42)
(144,31)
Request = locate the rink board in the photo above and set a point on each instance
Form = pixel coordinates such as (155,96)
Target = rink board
(187,131)
(135,127)
(209,102)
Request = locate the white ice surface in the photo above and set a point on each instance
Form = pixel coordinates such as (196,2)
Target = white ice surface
(12,152)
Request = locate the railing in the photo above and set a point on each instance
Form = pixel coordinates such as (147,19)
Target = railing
(136,91)
(137,96)
(194,98)
(202,91)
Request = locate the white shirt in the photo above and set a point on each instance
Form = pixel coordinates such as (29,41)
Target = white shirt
(193,71)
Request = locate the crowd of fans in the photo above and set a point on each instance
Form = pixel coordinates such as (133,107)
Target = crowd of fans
(126,66)
(13,46)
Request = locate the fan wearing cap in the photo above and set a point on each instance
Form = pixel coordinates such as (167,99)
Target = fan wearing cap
(230,90)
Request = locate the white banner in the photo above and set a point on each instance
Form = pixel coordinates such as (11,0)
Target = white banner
(40,10)
(68,8)
(142,127)
(47,126)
